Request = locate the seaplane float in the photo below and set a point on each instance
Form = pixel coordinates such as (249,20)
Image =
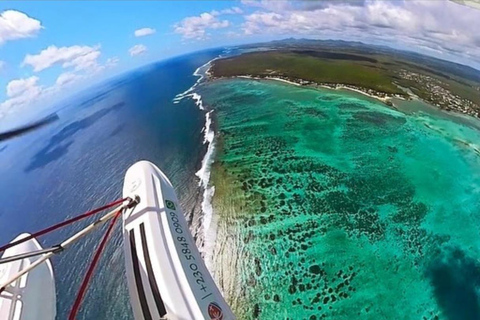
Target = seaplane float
(165,273)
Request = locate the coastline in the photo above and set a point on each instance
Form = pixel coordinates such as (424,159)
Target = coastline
(379,96)
(389,101)
(382,97)
(270,78)
(309,84)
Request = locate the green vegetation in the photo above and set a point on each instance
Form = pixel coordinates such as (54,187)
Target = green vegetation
(437,82)
(300,66)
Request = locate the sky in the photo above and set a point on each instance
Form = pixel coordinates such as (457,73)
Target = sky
(48,50)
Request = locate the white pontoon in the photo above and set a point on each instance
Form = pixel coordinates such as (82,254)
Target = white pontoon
(166,276)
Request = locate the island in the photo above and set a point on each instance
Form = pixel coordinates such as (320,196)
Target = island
(380,72)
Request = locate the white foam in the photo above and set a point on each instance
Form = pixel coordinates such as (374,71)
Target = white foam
(208,190)
(182,95)
(200,72)
(209,136)
(209,233)
(198,100)
(283,80)
(197,71)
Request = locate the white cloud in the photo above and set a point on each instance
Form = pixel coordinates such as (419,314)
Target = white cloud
(144,32)
(272,5)
(78,57)
(436,25)
(232,10)
(137,49)
(17,25)
(84,61)
(18,87)
(20,93)
(196,27)
(81,63)
(112,62)
(24,92)
(67,78)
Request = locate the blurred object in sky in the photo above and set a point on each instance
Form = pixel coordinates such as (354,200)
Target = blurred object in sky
(11,133)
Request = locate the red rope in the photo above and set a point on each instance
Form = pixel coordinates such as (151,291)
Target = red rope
(62,224)
(91,268)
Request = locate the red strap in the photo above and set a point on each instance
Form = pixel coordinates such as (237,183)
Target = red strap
(91,268)
(62,224)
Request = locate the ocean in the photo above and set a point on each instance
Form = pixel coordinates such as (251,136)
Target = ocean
(78,163)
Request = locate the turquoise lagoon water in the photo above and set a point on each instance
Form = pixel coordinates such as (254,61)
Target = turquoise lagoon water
(332,206)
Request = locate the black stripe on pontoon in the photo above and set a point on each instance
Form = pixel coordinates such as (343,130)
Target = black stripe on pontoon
(138,278)
(151,275)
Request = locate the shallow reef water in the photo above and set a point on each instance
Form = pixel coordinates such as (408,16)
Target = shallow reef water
(333,206)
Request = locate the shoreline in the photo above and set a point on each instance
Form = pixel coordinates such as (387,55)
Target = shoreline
(382,97)
(270,78)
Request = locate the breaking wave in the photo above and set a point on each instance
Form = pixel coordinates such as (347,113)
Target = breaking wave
(203,174)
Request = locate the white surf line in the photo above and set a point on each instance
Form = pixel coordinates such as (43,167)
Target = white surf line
(270,78)
(208,190)
(282,80)
(383,99)
(209,232)
(197,73)
(208,228)
(337,87)
(198,101)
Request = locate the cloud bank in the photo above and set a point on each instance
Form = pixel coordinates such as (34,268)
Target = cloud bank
(80,62)
(77,57)
(436,26)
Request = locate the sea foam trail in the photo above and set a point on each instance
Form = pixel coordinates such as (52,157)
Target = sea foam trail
(200,72)
(204,173)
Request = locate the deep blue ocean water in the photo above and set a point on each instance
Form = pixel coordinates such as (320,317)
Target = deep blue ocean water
(78,163)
